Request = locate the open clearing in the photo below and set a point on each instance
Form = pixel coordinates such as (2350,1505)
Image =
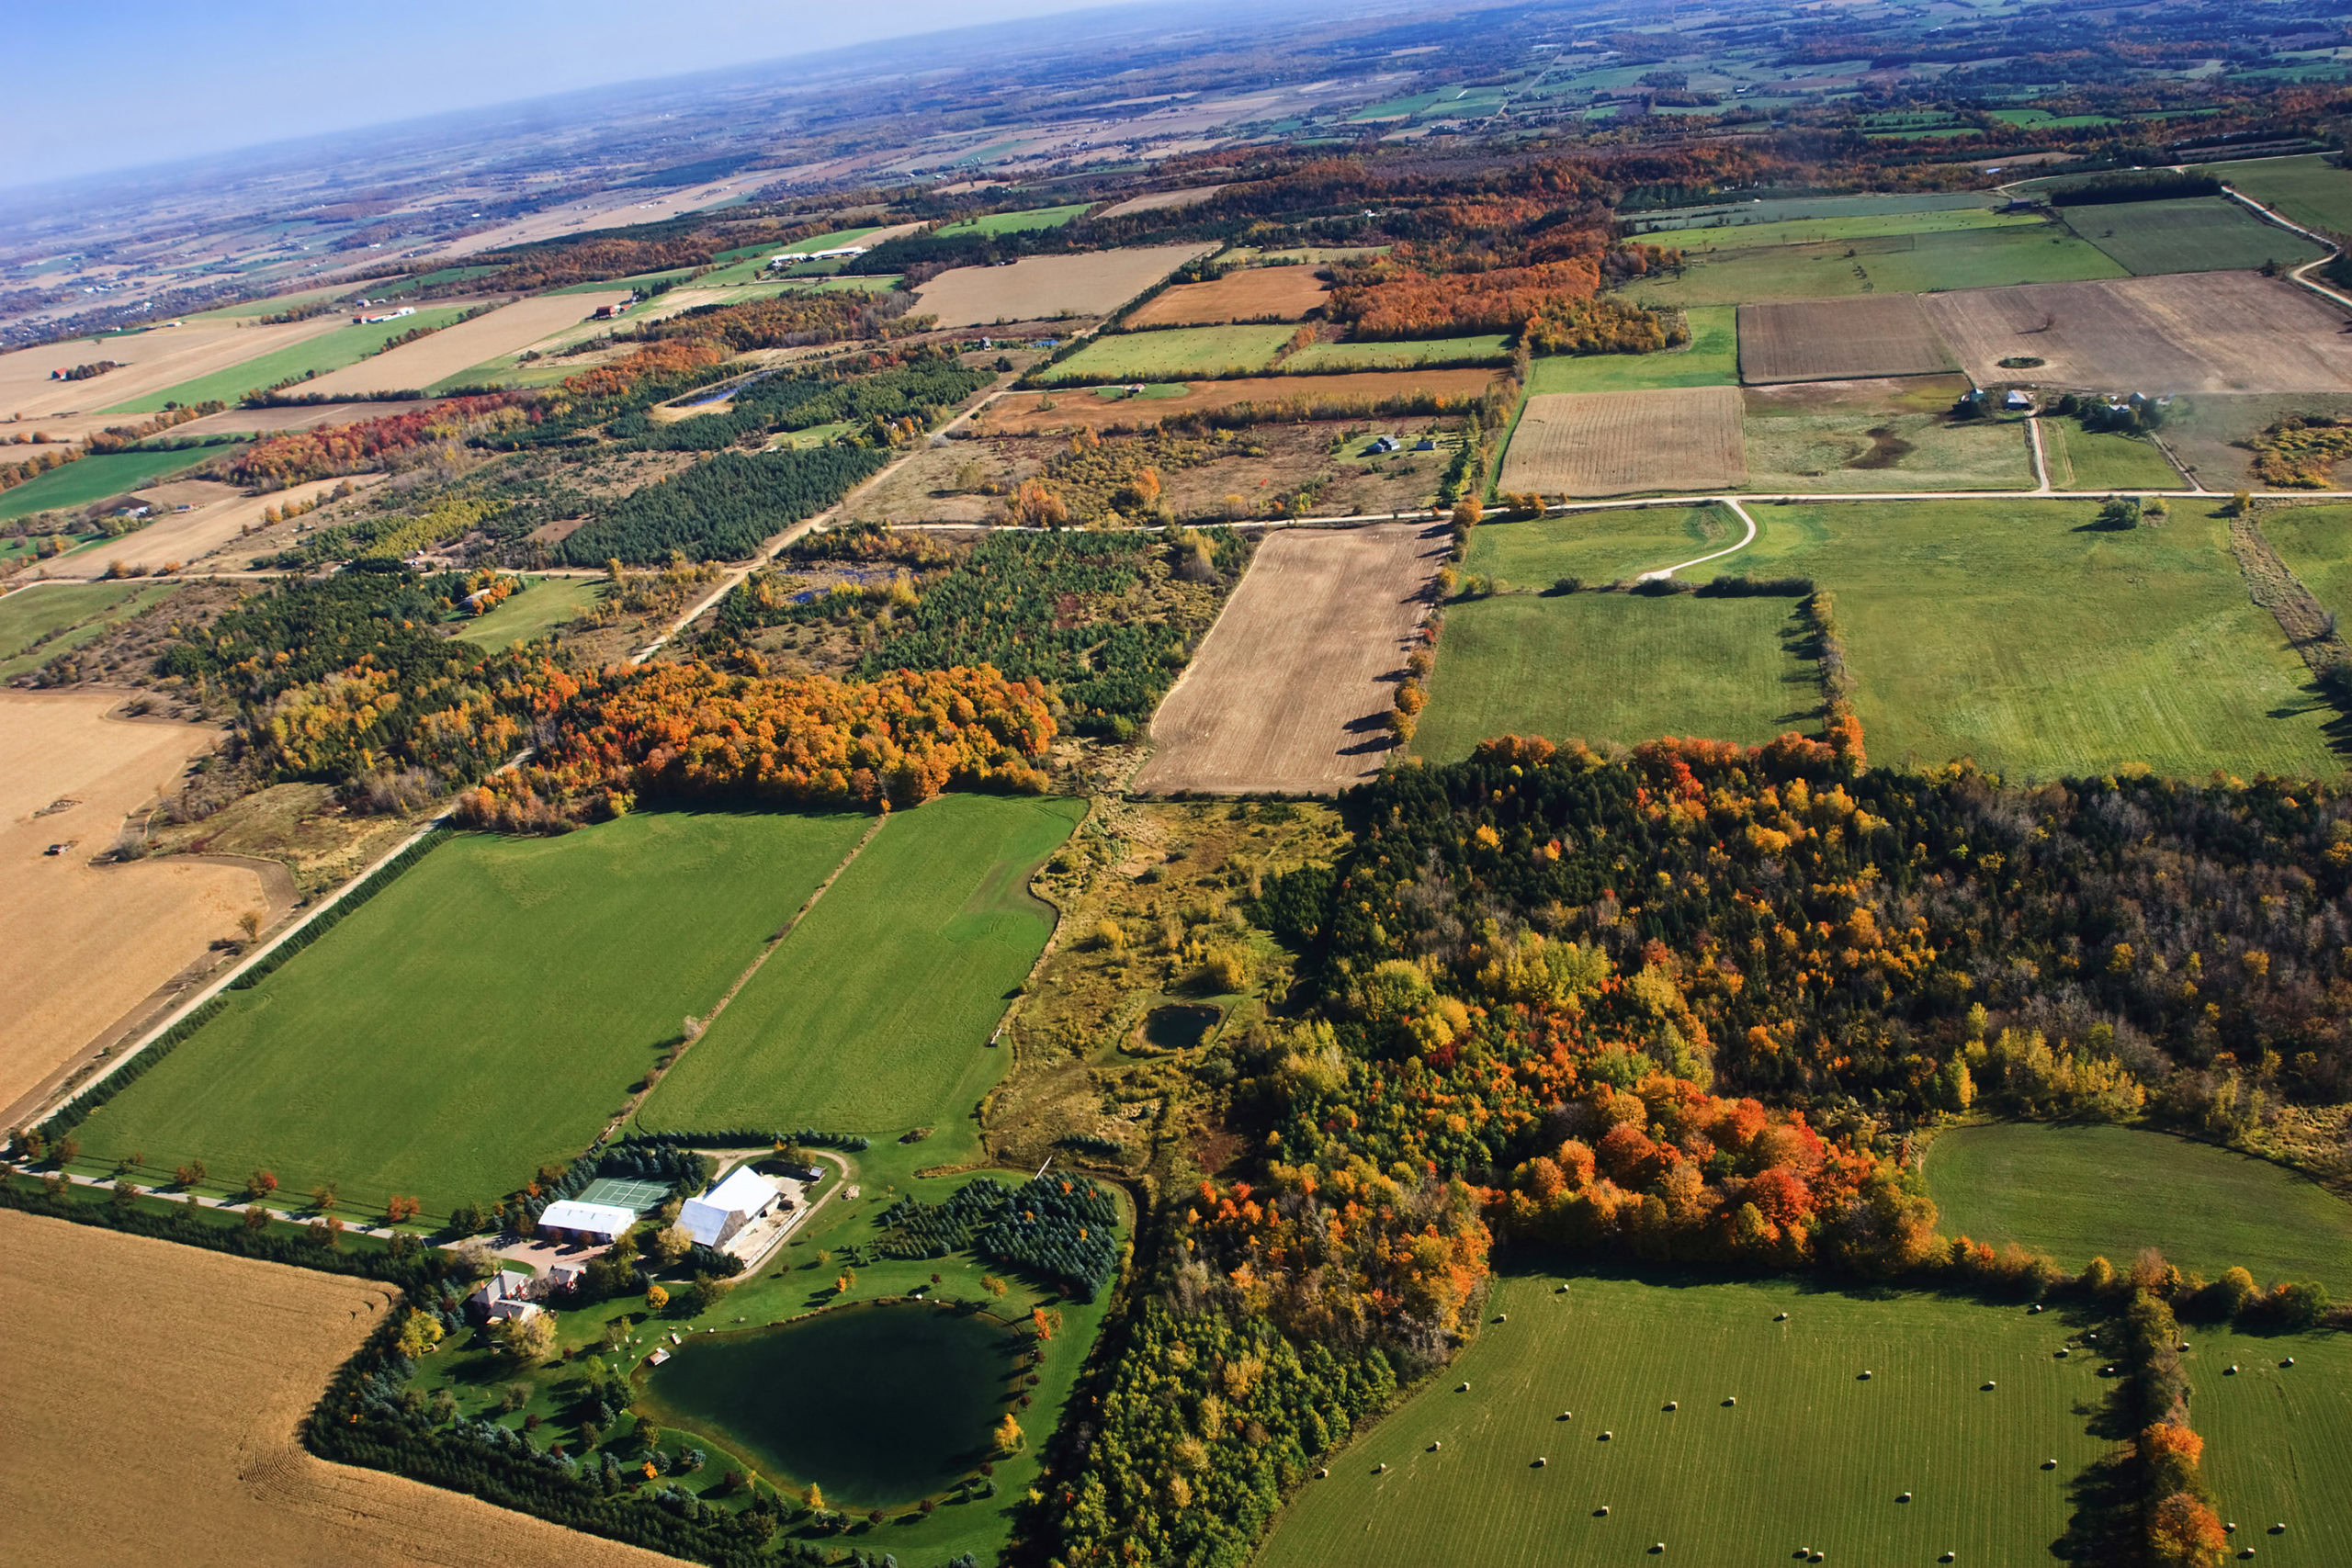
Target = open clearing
(149,362)
(2102,459)
(2277,1439)
(2075,1189)
(1878,436)
(37,626)
(1038,288)
(1153,201)
(213,1360)
(2309,190)
(1171,353)
(1812,1454)
(1710,359)
(1016,222)
(2231,332)
(1624,443)
(875,1014)
(1245,294)
(1019,413)
(1600,547)
(321,353)
(1840,340)
(1320,358)
(537,610)
(1895,263)
(483,1014)
(1291,690)
(414,366)
(86,944)
(2204,234)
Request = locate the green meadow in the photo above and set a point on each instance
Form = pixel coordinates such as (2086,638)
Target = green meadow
(317,355)
(100,478)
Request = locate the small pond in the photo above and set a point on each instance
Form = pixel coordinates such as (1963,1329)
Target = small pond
(878,1404)
(1180,1025)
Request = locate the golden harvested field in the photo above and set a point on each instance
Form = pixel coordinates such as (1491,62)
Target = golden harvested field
(1291,690)
(150,361)
(296,416)
(1027,413)
(1682,438)
(1036,288)
(1157,200)
(218,517)
(166,1385)
(2206,332)
(510,329)
(86,944)
(1840,340)
(1246,293)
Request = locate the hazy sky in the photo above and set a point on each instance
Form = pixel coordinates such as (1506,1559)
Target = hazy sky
(131,81)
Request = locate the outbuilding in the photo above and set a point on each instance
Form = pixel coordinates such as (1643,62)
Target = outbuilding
(594,1224)
(714,1218)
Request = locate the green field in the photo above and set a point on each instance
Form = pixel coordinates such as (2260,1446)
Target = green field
(38,623)
(1012,222)
(1782,209)
(1172,352)
(271,306)
(328,351)
(1901,264)
(1843,227)
(535,611)
(874,1015)
(1812,1454)
(2277,1439)
(485,1013)
(1600,547)
(635,281)
(2308,190)
(100,478)
(1710,359)
(1318,358)
(2084,459)
(1810,444)
(2316,544)
(2206,234)
(2074,1190)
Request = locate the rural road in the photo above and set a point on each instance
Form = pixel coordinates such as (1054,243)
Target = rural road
(2041,462)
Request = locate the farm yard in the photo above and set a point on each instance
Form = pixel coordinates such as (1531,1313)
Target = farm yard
(311,355)
(1038,288)
(1289,691)
(1841,340)
(2102,459)
(1812,437)
(1244,294)
(2205,233)
(1624,443)
(219,515)
(1810,1453)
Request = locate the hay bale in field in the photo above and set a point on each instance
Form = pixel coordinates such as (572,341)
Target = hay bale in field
(1729,1400)
(1604,1436)
(1865,1376)
(1988,1386)
(1903,1496)
(1540,1463)
(1781,1318)
(1462,1388)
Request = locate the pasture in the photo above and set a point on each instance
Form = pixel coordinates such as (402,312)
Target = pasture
(1291,690)
(36,626)
(1245,294)
(1036,288)
(534,612)
(1812,1454)
(313,357)
(1710,359)
(2204,333)
(2074,1191)
(1153,201)
(1624,443)
(2309,190)
(1881,221)
(216,1360)
(100,478)
(1280,396)
(1017,222)
(2314,541)
(1815,437)
(1600,547)
(1171,354)
(2205,233)
(510,329)
(1898,209)
(2102,459)
(1840,340)
(1317,358)
(1893,264)
(483,1014)
(874,1015)
(2277,1439)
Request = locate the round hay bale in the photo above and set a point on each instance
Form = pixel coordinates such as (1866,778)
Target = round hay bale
(2050,1464)
(1865,1376)
(1380,1469)
(1603,1437)
(1782,1318)
(1434,1447)
(1566,1415)
(1323,1474)
(1601,1512)
(1729,1400)
(2288,1363)
(2278,1528)
(1988,1386)
(1903,1496)
(1462,1388)
(1674,1405)
(2034,1308)
(1540,1463)
(1948,1557)
(2064,1352)
(1656,1547)
(2231,1370)
(2229,1529)
(1502,1318)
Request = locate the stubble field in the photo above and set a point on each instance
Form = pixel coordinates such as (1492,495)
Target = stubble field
(220,517)
(1019,413)
(1038,288)
(1840,340)
(149,362)
(1624,443)
(1245,294)
(345,343)
(414,366)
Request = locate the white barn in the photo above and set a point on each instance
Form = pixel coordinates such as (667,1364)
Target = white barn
(715,1217)
(598,1224)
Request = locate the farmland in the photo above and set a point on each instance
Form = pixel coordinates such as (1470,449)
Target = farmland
(2213,433)
(2278,1438)
(1623,442)
(1489,348)
(1895,263)
(413,367)
(538,609)
(1600,547)
(1275,396)
(1016,222)
(149,362)
(217,1360)
(314,356)
(100,478)
(1888,212)
(1245,294)
(1710,359)
(1814,437)
(2078,1190)
(2309,190)
(1044,288)
(37,626)
(1839,341)
(903,967)
(2316,544)
(1171,353)
(2205,333)
(2206,234)
(1291,688)
(1809,1455)
(2099,460)
(218,517)
(411,1049)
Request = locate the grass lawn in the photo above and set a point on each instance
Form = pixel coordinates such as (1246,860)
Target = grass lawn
(1615,666)
(874,1015)
(483,1014)
(1172,352)
(1812,1454)
(1810,443)
(99,477)
(38,623)
(538,609)
(2277,1439)
(2316,544)
(328,351)
(1009,222)
(2308,190)
(1901,264)
(1601,546)
(2205,233)
(1491,349)
(1710,359)
(2084,459)
(2074,1191)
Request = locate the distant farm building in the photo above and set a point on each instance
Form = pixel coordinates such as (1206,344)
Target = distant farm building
(714,1218)
(838,252)
(387,316)
(593,1224)
(502,1296)
(2017,401)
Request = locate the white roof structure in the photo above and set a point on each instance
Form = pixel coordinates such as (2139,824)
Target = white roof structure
(744,1191)
(602,1219)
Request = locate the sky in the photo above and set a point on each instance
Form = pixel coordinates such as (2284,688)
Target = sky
(135,82)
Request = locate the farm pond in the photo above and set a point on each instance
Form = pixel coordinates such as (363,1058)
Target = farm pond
(878,1404)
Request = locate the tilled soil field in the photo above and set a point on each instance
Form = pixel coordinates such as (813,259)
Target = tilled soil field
(204,1364)
(1840,340)
(1093,283)
(1583,444)
(1291,690)
(1247,294)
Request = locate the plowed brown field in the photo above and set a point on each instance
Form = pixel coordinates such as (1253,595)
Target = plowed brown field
(1247,294)
(2207,331)
(1684,438)
(1840,340)
(1291,690)
(1021,413)
(1038,288)
(165,1385)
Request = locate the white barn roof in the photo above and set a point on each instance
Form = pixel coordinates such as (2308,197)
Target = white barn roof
(571,1215)
(744,1191)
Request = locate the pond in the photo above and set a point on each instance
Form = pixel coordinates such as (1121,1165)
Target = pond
(1179,1026)
(879,1403)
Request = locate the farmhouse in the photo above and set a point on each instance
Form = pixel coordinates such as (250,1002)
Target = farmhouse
(501,1296)
(596,1224)
(714,1218)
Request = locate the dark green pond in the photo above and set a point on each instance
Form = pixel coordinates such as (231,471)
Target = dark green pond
(1179,1026)
(878,1404)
